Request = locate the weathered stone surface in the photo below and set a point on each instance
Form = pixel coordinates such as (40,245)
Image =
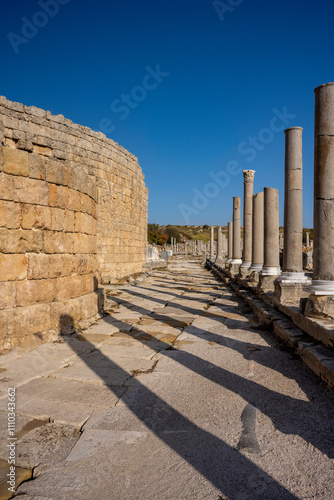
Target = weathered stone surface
(13,267)
(15,162)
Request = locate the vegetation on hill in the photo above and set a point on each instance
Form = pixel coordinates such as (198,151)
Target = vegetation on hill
(164,234)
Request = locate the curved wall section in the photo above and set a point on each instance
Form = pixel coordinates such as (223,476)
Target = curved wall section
(73,213)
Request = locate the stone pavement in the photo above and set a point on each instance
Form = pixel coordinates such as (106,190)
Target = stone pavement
(177,394)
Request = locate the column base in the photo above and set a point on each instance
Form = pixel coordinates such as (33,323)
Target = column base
(244,272)
(234,267)
(294,277)
(245,265)
(320,306)
(254,277)
(270,271)
(287,292)
(266,282)
(256,267)
(321,287)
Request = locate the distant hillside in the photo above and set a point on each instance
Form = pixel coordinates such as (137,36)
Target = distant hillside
(161,234)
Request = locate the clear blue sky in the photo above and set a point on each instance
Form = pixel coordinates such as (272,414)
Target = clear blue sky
(220,75)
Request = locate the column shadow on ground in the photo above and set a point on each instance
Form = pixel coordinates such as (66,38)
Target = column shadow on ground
(228,470)
(288,414)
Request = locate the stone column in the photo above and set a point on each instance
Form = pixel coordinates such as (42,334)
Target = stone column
(257,240)
(271,268)
(229,242)
(236,253)
(219,244)
(248,210)
(307,239)
(236,256)
(293,208)
(281,241)
(211,241)
(321,300)
(224,244)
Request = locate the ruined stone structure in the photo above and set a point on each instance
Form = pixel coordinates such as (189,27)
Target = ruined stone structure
(73,213)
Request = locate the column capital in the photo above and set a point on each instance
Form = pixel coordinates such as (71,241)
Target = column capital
(248,175)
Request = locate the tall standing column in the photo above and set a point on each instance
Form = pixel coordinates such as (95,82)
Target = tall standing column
(271,265)
(293,208)
(307,239)
(229,242)
(248,211)
(323,244)
(257,240)
(236,257)
(211,241)
(219,244)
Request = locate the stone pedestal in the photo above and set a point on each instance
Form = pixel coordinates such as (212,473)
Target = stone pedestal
(271,269)
(323,245)
(248,222)
(290,292)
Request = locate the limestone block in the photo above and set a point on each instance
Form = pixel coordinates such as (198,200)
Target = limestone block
(32,191)
(20,241)
(74,200)
(67,175)
(3,329)
(69,287)
(320,306)
(84,223)
(30,292)
(29,320)
(37,166)
(15,162)
(57,219)
(58,196)
(35,216)
(42,150)
(54,172)
(65,314)
(39,266)
(69,220)
(6,187)
(7,294)
(58,242)
(9,214)
(84,243)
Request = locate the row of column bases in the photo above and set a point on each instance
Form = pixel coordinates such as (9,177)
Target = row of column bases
(259,260)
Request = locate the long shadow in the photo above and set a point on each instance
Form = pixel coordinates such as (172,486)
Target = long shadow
(289,415)
(227,469)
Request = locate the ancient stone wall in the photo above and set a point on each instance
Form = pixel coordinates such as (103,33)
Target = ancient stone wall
(73,213)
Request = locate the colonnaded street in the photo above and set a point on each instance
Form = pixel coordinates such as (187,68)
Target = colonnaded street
(178,393)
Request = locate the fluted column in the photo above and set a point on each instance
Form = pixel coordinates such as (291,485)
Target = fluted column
(271,265)
(257,240)
(248,210)
(236,258)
